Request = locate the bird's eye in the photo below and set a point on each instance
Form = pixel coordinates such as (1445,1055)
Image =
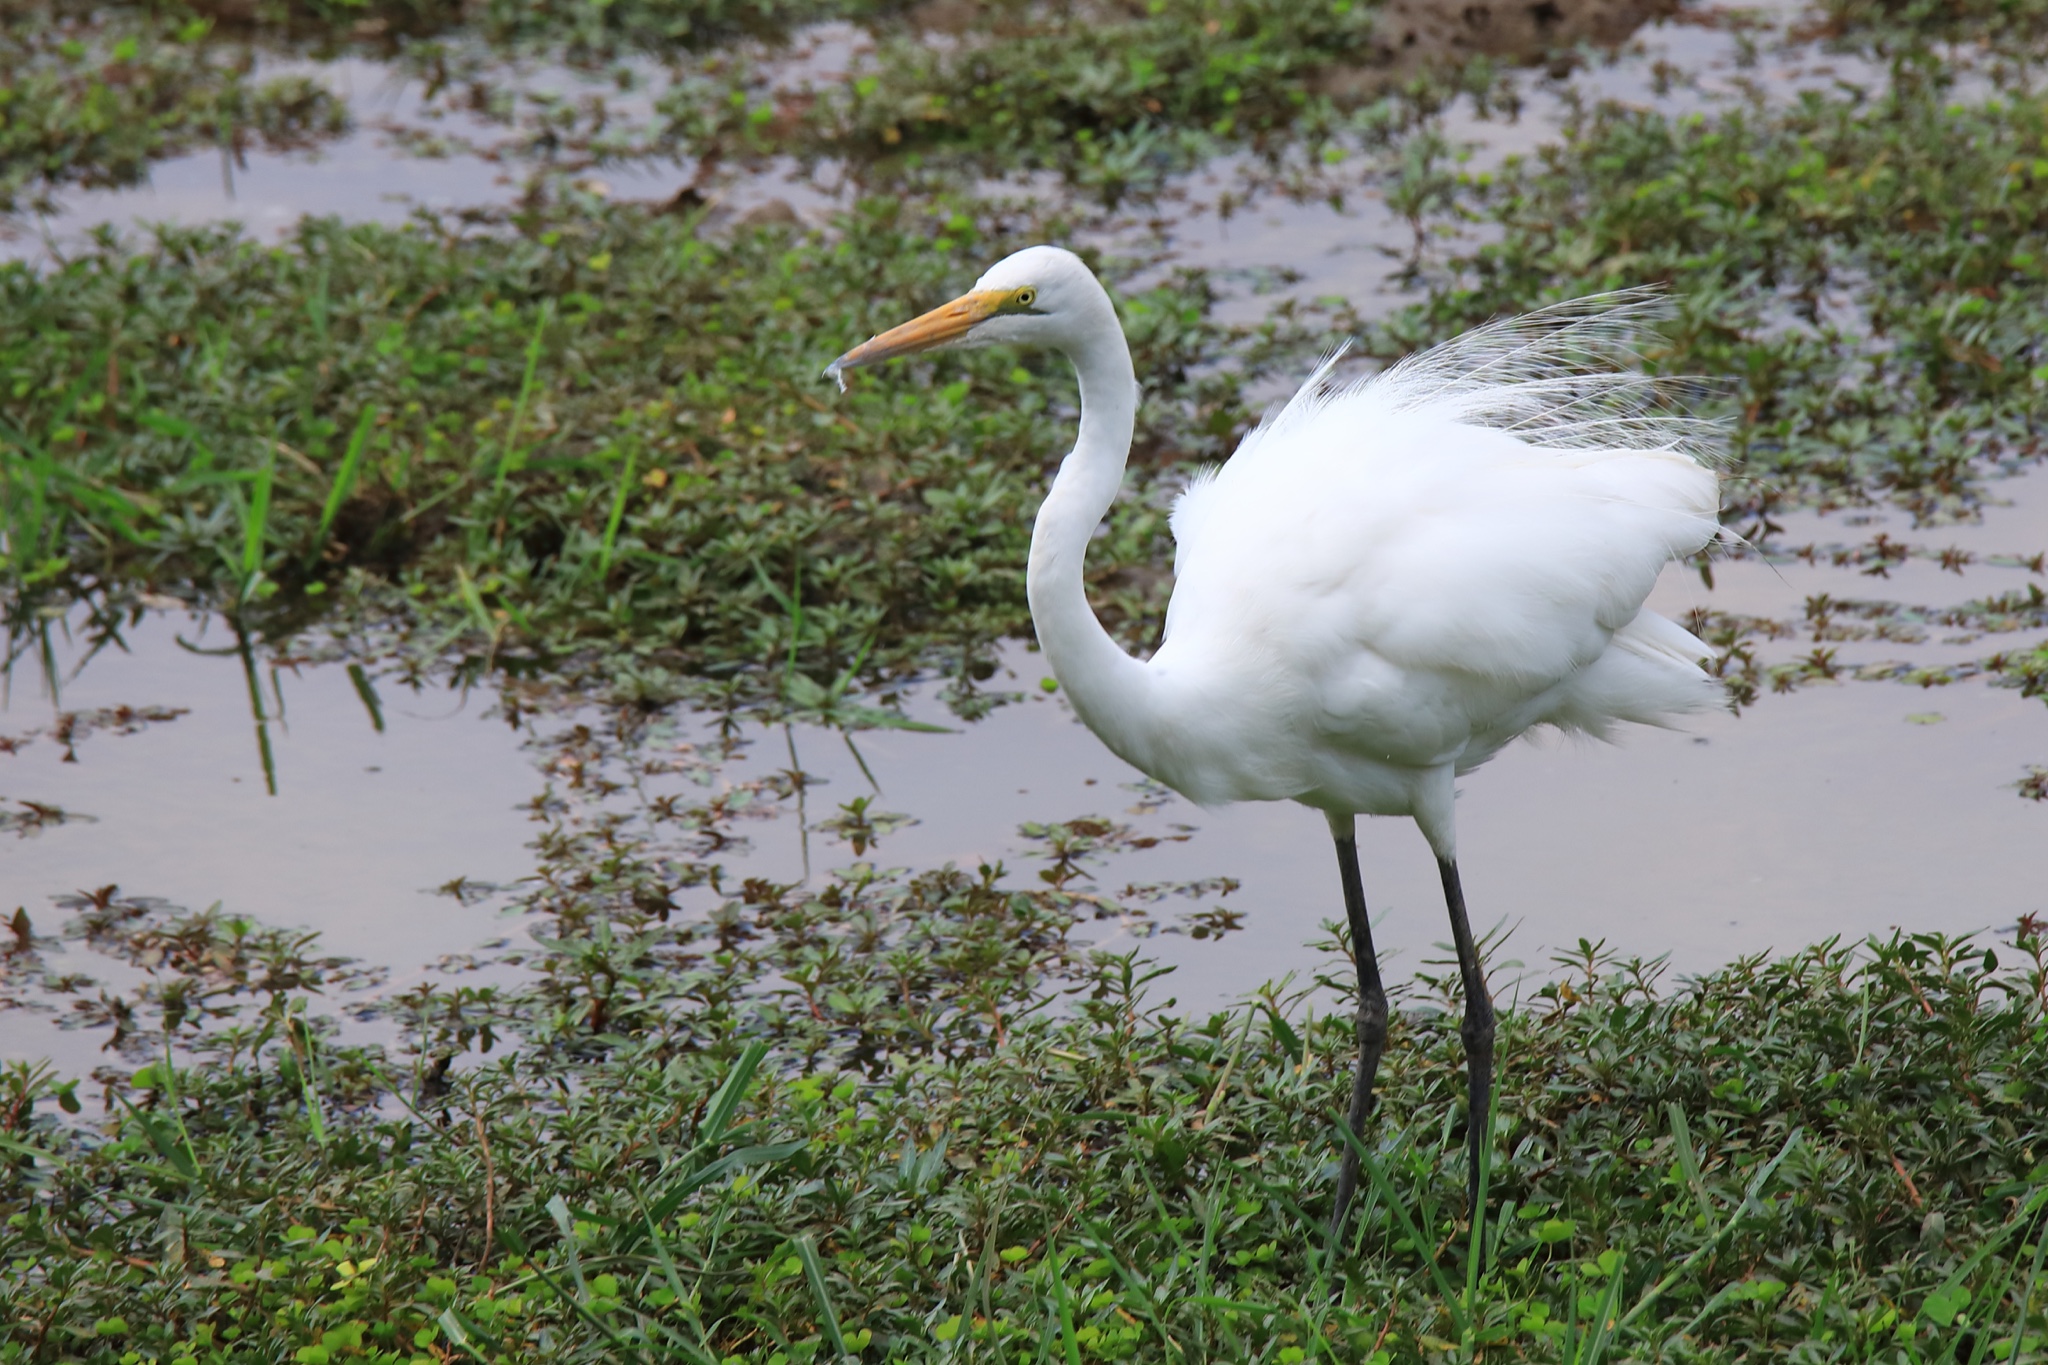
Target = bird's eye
(1026,297)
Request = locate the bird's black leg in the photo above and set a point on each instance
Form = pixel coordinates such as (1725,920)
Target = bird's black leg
(1372,1023)
(1477,1029)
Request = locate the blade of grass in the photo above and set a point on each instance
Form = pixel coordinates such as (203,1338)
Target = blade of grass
(2028,1215)
(814,1271)
(170,1075)
(1713,1243)
(1056,1266)
(2019,1329)
(344,480)
(1606,1327)
(166,1141)
(1689,1161)
(367,691)
(248,657)
(578,1301)
(702,1350)
(725,1102)
(459,1330)
(510,450)
(796,625)
(301,1039)
(1475,1260)
(618,513)
(565,1222)
(1214,1107)
(255,525)
(1414,1235)
(1104,1244)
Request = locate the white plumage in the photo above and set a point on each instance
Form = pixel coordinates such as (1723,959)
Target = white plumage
(1386,583)
(1397,576)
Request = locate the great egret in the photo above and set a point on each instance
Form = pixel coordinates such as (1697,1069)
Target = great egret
(1386,583)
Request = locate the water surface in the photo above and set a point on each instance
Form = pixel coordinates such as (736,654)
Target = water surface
(1841,808)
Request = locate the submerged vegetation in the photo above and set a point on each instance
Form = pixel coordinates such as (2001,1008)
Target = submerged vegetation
(904,1114)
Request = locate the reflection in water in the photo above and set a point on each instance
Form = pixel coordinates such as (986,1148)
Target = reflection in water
(377,804)
(248,658)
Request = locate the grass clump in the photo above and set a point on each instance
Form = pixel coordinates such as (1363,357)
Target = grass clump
(577,34)
(94,102)
(2013,26)
(1864,267)
(602,430)
(1116,98)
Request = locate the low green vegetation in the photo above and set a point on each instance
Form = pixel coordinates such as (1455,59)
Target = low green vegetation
(1116,99)
(609,430)
(901,1116)
(596,427)
(2011,28)
(1113,99)
(577,33)
(1865,268)
(89,102)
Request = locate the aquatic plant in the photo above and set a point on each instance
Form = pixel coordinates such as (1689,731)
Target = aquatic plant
(1863,267)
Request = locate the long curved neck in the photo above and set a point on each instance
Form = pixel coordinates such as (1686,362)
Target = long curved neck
(1105,685)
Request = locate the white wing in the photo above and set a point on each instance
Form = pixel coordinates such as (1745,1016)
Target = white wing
(1492,510)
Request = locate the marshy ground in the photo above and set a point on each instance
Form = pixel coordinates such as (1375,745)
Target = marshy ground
(477,573)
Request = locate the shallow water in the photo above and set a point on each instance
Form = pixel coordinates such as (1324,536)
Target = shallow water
(369,175)
(1267,245)
(362,828)
(1842,808)
(1361,251)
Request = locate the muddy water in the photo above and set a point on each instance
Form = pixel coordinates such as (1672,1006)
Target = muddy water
(345,829)
(1359,249)
(1841,808)
(365,176)
(1356,248)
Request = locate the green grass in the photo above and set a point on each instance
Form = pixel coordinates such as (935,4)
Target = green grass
(943,1134)
(1865,270)
(1115,99)
(600,431)
(897,1114)
(578,33)
(902,1114)
(514,381)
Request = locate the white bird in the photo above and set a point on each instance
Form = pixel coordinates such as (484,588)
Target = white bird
(1388,581)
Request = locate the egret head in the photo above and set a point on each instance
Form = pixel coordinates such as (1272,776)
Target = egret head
(1041,296)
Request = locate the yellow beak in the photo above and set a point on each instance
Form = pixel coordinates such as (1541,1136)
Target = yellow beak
(946,323)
